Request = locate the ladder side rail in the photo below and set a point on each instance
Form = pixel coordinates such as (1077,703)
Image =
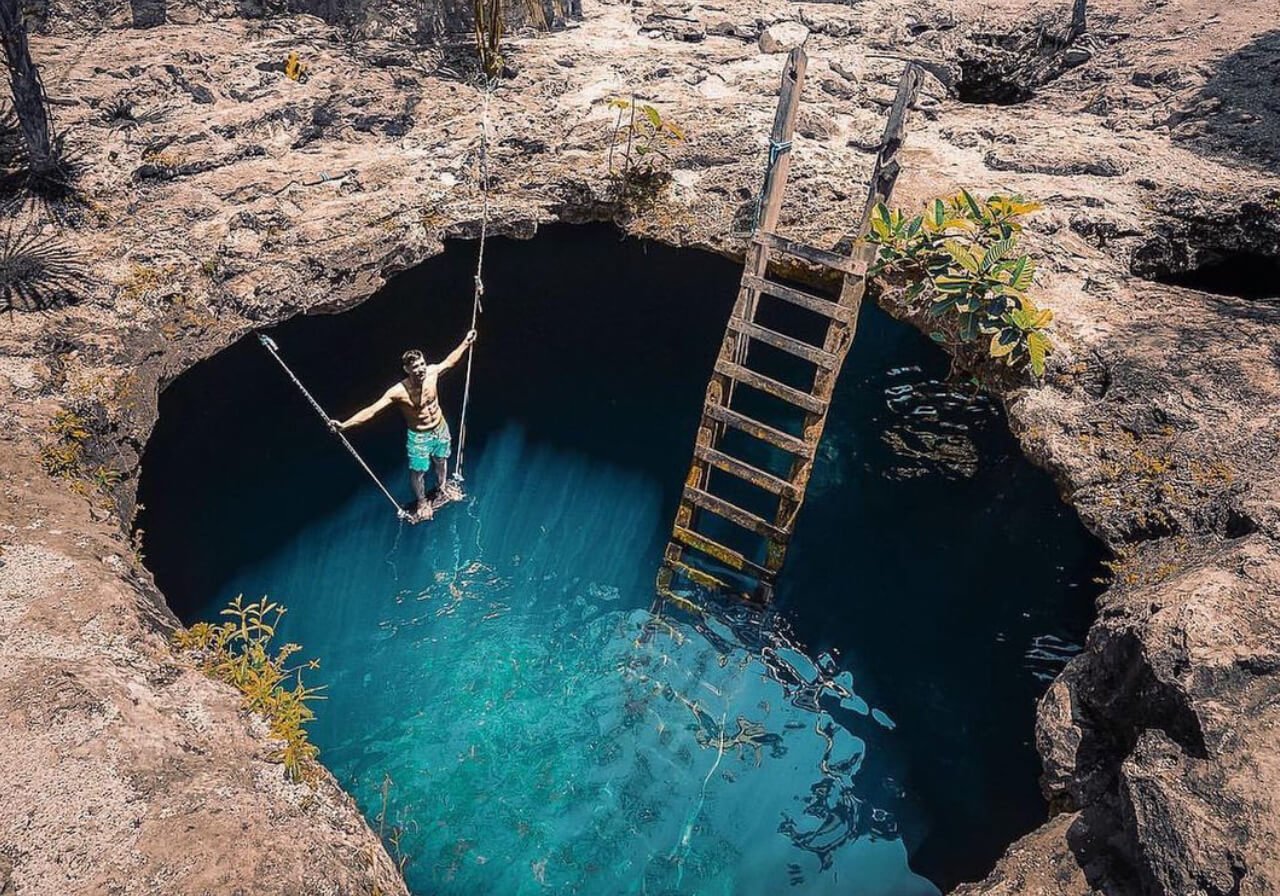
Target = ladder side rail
(734,345)
(840,334)
(773,188)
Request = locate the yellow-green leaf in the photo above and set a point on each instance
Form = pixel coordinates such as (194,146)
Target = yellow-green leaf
(1038,347)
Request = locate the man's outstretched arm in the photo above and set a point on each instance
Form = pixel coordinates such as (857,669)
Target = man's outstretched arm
(366,414)
(456,355)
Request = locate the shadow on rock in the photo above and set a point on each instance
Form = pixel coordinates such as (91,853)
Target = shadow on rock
(147,13)
(1237,112)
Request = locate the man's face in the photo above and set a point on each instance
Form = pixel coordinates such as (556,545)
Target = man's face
(417,367)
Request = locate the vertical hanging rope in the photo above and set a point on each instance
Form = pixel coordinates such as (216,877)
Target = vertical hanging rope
(476,306)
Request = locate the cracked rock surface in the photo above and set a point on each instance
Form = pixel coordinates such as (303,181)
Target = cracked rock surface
(230,197)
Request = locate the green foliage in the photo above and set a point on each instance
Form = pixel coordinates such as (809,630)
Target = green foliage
(65,453)
(960,256)
(648,136)
(62,457)
(239,652)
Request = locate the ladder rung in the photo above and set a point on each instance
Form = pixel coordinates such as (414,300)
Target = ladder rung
(716,551)
(745,471)
(831,309)
(773,387)
(774,437)
(824,257)
(697,576)
(810,353)
(733,513)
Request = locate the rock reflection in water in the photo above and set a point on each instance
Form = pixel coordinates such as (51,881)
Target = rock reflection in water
(930,425)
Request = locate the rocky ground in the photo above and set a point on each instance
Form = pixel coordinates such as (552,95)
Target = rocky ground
(221,196)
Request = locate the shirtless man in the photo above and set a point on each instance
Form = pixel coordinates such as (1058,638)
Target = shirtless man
(429,439)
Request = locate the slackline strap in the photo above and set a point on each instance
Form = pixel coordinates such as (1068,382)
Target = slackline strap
(274,349)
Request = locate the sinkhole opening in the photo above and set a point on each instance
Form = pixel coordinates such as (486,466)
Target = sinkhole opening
(993,82)
(504,665)
(1241,274)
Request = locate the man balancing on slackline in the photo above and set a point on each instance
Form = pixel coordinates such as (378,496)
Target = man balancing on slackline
(429,439)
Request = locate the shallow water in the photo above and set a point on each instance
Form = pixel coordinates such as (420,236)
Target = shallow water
(542,729)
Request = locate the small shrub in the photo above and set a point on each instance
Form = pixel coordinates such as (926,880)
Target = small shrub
(239,652)
(960,258)
(144,279)
(122,113)
(648,135)
(63,455)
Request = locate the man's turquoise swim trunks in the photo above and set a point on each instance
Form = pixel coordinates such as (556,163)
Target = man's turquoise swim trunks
(422,446)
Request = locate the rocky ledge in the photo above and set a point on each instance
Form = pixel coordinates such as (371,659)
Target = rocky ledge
(222,196)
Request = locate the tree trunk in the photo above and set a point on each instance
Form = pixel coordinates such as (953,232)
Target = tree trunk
(1078,25)
(28,92)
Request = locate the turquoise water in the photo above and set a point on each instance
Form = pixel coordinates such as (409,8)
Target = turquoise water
(543,726)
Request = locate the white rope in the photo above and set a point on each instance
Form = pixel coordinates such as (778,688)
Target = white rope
(476,307)
(476,310)
(274,349)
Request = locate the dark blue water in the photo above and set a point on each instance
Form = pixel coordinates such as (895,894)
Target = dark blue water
(543,729)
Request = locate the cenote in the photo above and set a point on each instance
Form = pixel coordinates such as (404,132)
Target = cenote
(542,729)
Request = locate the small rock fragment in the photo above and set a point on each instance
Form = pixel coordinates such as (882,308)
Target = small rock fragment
(783,37)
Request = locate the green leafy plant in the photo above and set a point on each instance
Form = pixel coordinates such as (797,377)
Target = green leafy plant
(648,137)
(65,455)
(960,257)
(239,652)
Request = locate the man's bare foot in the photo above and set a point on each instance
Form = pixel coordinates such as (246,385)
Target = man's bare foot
(424,512)
(451,490)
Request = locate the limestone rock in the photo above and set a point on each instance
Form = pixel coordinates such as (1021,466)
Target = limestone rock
(263,198)
(783,37)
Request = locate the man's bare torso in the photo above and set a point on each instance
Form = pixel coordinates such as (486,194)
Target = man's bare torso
(420,403)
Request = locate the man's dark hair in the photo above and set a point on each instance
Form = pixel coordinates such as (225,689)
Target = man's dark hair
(411,355)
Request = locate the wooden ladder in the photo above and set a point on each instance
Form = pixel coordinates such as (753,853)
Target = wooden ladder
(692,554)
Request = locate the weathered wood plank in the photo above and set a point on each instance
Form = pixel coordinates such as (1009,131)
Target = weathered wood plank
(784,126)
(734,514)
(756,429)
(819,305)
(729,557)
(810,353)
(812,254)
(745,471)
(698,576)
(773,387)
(885,173)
